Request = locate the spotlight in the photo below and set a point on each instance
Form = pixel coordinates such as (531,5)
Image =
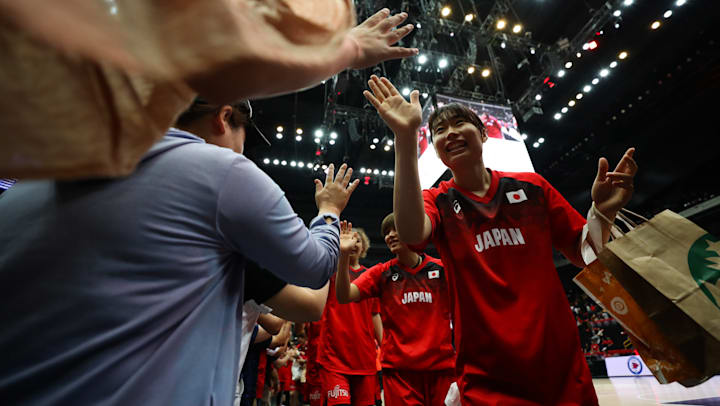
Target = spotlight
(595,81)
(667,14)
(613,64)
(571,103)
(293,164)
(587,88)
(503,45)
(422,59)
(445,11)
(568,65)
(266,161)
(390,142)
(617,25)
(536,144)
(405,91)
(299,131)
(579,96)
(469,17)
(318,133)
(332,142)
(627,2)
(578,55)
(324,167)
(485,72)
(617,13)
(541,140)
(376,172)
(424,95)
(557,116)
(376,140)
(384,172)
(372,146)
(279,128)
(386,148)
(443,63)
(301,164)
(333,135)
(362,170)
(471,69)
(679,3)
(561,73)
(655,25)
(317,140)
(604,73)
(538,97)
(276,162)
(564,110)
(517,28)
(524,136)
(418,25)
(283,163)
(298,138)
(391,173)
(532,51)
(622,55)
(278,136)
(501,24)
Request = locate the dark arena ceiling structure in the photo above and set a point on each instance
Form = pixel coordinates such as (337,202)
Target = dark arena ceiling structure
(585,79)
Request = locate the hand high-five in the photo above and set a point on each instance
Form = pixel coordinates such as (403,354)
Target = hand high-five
(612,190)
(375,36)
(334,195)
(348,239)
(402,117)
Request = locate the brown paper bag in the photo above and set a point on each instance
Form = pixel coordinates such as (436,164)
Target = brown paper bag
(665,361)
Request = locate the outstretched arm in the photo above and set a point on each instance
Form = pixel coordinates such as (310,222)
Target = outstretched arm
(403,118)
(345,291)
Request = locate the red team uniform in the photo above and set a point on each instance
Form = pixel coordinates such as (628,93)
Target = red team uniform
(417,354)
(312,374)
(346,353)
(517,342)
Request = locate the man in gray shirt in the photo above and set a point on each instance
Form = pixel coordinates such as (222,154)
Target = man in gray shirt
(129,291)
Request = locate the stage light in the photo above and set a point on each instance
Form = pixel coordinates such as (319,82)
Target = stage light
(279,128)
(422,59)
(299,131)
(501,24)
(278,136)
(390,142)
(679,3)
(317,140)
(592,45)
(485,72)
(655,25)
(568,65)
(471,70)
(452,34)
(445,11)
(557,116)
(627,2)
(324,167)
(578,55)
(587,88)
(517,28)
(524,136)
(579,96)
(595,81)
(571,103)
(541,140)
(617,13)
(536,144)
(298,138)
(564,110)
(424,95)
(293,163)
(372,146)
(622,55)
(469,17)
(503,45)
(443,63)
(283,163)
(362,170)
(532,51)
(386,148)
(391,173)
(376,140)
(617,25)
(604,73)
(538,97)
(266,161)
(332,142)
(613,64)
(667,14)
(276,162)
(561,73)
(384,172)
(376,172)
(301,164)
(333,135)
(418,25)
(405,91)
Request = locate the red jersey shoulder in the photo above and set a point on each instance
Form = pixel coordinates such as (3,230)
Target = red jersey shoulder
(529,177)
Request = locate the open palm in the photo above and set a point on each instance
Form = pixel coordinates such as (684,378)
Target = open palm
(611,191)
(402,117)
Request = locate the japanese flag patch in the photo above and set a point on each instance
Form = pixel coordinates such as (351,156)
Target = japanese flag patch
(516,196)
(433,274)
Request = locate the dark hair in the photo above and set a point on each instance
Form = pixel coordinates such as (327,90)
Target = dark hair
(451,111)
(240,116)
(387,223)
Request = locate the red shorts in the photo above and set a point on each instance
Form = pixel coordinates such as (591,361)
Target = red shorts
(343,389)
(416,388)
(315,394)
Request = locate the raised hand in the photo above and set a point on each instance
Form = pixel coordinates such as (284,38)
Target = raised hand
(612,190)
(402,117)
(334,195)
(348,238)
(375,36)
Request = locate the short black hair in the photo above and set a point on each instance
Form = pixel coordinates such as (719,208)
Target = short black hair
(451,111)
(387,223)
(240,116)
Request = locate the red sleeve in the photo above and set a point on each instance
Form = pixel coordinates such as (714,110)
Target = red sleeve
(369,282)
(375,306)
(566,223)
(432,212)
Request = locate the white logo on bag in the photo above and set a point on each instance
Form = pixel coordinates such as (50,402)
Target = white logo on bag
(337,391)
(618,305)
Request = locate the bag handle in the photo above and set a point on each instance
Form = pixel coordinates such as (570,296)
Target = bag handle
(615,231)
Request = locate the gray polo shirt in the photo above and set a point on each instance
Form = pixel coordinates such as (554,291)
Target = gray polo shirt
(129,291)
